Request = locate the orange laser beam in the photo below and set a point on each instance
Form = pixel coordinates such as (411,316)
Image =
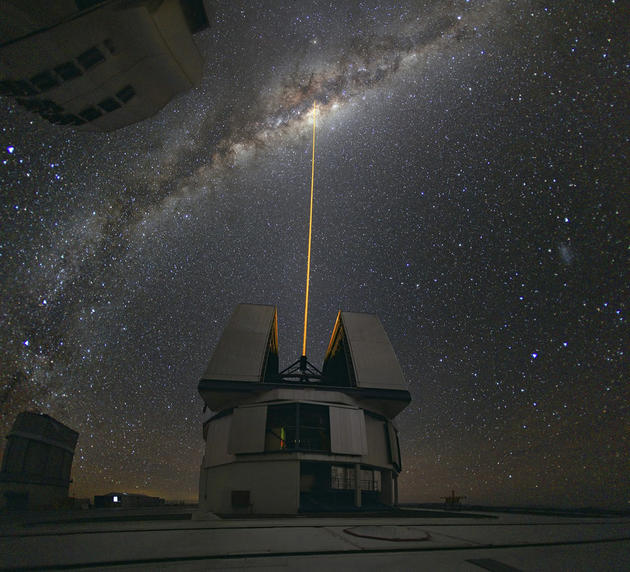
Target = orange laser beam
(310,233)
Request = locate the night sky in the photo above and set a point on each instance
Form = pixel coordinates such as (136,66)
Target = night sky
(471,189)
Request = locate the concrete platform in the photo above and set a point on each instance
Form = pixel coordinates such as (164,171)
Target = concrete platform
(168,539)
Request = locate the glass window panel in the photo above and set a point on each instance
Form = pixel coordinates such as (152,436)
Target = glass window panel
(297,426)
(281,429)
(314,427)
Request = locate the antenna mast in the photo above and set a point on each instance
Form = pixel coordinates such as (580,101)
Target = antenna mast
(310,234)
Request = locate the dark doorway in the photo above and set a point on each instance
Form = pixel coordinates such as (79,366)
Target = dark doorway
(314,486)
(16,501)
(317,493)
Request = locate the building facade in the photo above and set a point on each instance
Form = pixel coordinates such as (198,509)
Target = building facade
(301,439)
(99,65)
(36,463)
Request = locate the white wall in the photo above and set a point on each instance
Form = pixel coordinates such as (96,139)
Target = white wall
(248,430)
(217,442)
(377,445)
(39,496)
(274,487)
(347,431)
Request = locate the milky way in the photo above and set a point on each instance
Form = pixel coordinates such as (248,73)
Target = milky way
(470,189)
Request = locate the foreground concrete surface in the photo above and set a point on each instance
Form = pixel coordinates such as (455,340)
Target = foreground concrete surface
(167,539)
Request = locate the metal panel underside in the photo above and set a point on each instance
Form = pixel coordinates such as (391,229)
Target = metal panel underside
(393,444)
(217,441)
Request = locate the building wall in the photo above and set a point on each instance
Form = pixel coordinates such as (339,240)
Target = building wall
(36,463)
(104,69)
(21,18)
(33,495)
(31,460)
(355,435)
(217,441)
(378,452)
(235,458)
(274,487)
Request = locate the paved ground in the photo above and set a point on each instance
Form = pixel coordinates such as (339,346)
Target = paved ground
(167,539)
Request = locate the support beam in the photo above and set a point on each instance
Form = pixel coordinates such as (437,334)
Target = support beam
(298,496)
(357,485)
(387,488)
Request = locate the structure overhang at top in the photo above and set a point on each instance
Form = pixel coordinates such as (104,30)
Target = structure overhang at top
(360,361)
(248,346)
(99,65)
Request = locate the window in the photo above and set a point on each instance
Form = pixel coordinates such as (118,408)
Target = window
(314,427)
(109,104)
(281,432)
(68,71)
(370,480)
(91,57)
(343,477)
(90,113)
(126,93)
(17,88)
(115,498)
(241,499)
(44,81)
(297,426)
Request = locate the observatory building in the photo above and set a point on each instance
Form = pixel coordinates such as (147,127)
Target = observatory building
(36,463)
(300,439)
(99,65)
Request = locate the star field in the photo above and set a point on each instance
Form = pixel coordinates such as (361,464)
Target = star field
(470,188)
